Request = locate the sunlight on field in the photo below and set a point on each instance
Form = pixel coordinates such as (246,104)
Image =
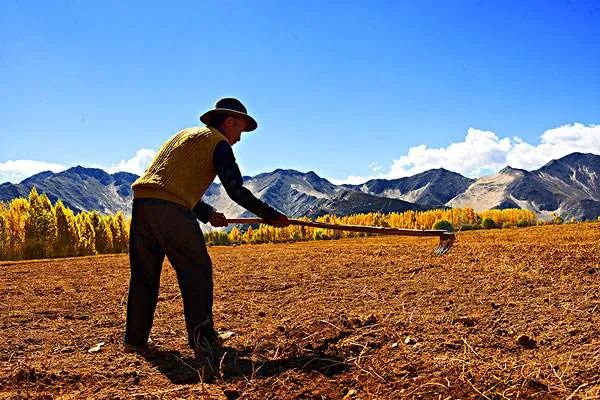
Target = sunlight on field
(507,313)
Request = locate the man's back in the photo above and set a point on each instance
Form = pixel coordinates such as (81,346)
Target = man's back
(183,168)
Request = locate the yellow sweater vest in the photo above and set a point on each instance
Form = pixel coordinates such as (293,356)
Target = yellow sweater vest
(183,168)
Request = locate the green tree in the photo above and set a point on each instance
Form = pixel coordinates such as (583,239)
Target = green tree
(488,223)
(522,223)
(557,219)
(443,225)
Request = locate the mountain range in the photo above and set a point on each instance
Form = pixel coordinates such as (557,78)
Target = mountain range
(569,187)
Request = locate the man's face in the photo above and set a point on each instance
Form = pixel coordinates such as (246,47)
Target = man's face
(233,128)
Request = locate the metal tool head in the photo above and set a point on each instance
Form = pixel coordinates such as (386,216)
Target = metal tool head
(446,242)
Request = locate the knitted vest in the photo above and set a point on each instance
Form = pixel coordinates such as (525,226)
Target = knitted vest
(183,168)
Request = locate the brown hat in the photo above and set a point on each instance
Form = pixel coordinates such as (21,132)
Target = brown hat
(233,107)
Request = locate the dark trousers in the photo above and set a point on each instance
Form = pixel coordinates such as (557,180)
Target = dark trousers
(160,228)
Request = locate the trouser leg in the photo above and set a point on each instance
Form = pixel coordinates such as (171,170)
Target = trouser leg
(146,259)
(195,282)
(188,255)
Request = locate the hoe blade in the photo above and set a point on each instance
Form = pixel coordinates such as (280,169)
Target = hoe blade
(446,242)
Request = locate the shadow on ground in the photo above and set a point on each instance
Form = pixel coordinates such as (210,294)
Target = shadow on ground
(237,364)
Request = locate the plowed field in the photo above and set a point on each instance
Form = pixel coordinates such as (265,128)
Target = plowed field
(506,314)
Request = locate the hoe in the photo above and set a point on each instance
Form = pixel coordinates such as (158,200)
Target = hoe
(446,238)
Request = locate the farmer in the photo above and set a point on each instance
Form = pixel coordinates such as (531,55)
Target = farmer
(166,206)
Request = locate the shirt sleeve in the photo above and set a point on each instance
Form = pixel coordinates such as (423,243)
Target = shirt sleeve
(231,179)
(203,211)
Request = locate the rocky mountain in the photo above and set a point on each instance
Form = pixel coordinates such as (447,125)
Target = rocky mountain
(79,188)
(304,194)
(569,187)
(292,192)
(432,188)
(349,202)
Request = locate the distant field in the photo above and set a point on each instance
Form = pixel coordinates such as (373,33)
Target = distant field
(507,314)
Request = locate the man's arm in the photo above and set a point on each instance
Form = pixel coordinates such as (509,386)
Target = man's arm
(231,179)
(203,211)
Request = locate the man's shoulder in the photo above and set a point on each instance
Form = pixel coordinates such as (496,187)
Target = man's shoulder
(195,130)
(202,132)
(195,134)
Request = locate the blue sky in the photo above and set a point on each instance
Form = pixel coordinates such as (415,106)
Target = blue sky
(350,90)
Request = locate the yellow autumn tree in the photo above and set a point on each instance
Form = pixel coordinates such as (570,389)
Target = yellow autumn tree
(247,237)
(119,228)
(3,233)
(40,226)
(66,231)
(235,236)
(103,242)
(87,239)
(16,215)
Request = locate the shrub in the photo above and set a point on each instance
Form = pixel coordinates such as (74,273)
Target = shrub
(488,223)
(507,225)
(522,223)
(444,225)
(468,227)
(320,234)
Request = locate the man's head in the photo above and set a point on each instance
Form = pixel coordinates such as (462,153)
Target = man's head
(231,118)
(230,127)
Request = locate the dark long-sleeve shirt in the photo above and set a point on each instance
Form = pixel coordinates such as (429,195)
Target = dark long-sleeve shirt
(231,179)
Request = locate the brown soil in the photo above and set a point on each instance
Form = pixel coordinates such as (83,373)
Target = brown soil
(506,314)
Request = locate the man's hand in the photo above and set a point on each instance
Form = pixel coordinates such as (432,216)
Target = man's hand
(218,219)
(281,222)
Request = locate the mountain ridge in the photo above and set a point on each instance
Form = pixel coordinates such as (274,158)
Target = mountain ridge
(568,186)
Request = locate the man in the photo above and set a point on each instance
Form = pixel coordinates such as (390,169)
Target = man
(166,206)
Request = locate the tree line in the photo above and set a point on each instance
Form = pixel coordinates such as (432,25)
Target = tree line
(447,219)
(34,228)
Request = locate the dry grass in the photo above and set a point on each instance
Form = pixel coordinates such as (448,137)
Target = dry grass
(507,314)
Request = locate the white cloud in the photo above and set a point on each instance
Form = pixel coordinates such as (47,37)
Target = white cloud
(480,151)
(15,171)
(351,180)
(136,165)
(375,167)
(484,152)
(556,143)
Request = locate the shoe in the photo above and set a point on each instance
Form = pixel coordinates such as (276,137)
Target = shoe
(210,347)
(139,349)
(130,348)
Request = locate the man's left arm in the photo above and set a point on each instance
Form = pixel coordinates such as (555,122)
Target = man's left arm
(231,179)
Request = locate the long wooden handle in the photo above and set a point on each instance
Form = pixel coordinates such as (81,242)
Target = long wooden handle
(352,228)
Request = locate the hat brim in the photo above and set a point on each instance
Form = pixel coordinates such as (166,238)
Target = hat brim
(251,123)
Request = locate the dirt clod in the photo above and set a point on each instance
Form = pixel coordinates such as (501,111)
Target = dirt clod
(409,340)
(466,321)
(526,341)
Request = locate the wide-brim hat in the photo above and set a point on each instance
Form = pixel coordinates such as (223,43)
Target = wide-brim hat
(232,107)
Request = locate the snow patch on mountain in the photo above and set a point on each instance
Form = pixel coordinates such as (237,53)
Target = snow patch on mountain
(486,193)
